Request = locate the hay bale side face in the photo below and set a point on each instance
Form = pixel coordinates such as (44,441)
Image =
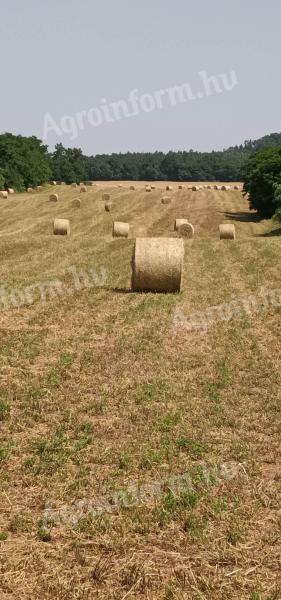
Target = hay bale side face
(180,187)
(227,231)
(153,187)
(169,188)
(236,187)
(157,265)
(53,197)
(76,203)
(186,230)
(11,191)
(30,190)
(108,206)
(166,200)
(53,183)
(195,188)
(74,185)
(179,222)
(39,188)
(83,188)
(106,197)
(4,194)
(120,229)
(148,188)
(61,227)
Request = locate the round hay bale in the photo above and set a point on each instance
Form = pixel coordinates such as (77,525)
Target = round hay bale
(3,194)
(120,185)
(189,187)
(153,187)
(217,187)
(186,230)
(106,197)
(53,197)
(53,183)
(83,188)
(74,185)
(30,190)
(39,188)
(225,188)
(166,200)
(61,227)
(195,188)
(169,188)
(180,187)
(11,191)
(148,188)
(157,265)
(179,222)
(236,187)
(63,183)
(227,231)
(208,187)
(108,206)
(132,187)
(76,203)
(120,229)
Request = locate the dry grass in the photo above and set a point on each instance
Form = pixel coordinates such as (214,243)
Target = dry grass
(99,393)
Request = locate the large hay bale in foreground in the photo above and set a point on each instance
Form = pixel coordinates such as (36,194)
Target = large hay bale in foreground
(179,222)
(166,200)
(108,206)
(157,265)
(106,197)
(227,231)
(11,191)
(169,188)
(83,188)
(76,203)
(3,194)
(61,227)
(120,229)
(186,230)
(53,197)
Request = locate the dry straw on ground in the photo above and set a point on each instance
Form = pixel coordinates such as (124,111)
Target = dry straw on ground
(61,227)
(132,187)
(120,229)
(53,197)
(186,230)
(157,265)
(227,231)
(106,197)
(153,187)
(166,200)
(3,194)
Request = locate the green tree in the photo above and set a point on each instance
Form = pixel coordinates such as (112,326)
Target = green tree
(262,173)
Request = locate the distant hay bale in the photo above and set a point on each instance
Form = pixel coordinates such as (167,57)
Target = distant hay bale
(179,222)
(108,206)
(11,191)
(236,187)
(166,200)
(217,187)
(63,183)
(157,265)
(189,187)
(3,194)
(30,190)
(208,187)
(148,188)
(180,187)
(39,188)
(83,188)
(120,185)
(132,187)
(74,185)
(195,188)
(200,187)
(227,231)
(186,230)
(120,229)
(61,227)
(225,188)
(53,197)
(169,188)
(53,183)
(76,203)
(106,197)
(153,187)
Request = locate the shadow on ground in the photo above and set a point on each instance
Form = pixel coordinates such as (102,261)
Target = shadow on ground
(244,217)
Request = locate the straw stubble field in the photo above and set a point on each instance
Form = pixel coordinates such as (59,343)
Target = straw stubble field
(100,394)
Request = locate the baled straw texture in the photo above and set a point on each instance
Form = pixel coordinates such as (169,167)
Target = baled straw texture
(74,185)
(169,188)
(83,188)
(148,188)
(53,197)
(225,188)
(157,265)
(30,190)
(39,188)
(179,222)
(166,200)
(236,187)
(186,230)
(61,227)
(195,188)
(11,191)
(76,203)
(180,187)
(120,229)
(3,194)
(227,231)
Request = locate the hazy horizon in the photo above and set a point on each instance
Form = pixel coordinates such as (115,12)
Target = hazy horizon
(107,75)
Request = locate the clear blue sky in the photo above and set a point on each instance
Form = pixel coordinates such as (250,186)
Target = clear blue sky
(63,56)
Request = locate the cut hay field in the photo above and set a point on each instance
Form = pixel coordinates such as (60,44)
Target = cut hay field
(140,447)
